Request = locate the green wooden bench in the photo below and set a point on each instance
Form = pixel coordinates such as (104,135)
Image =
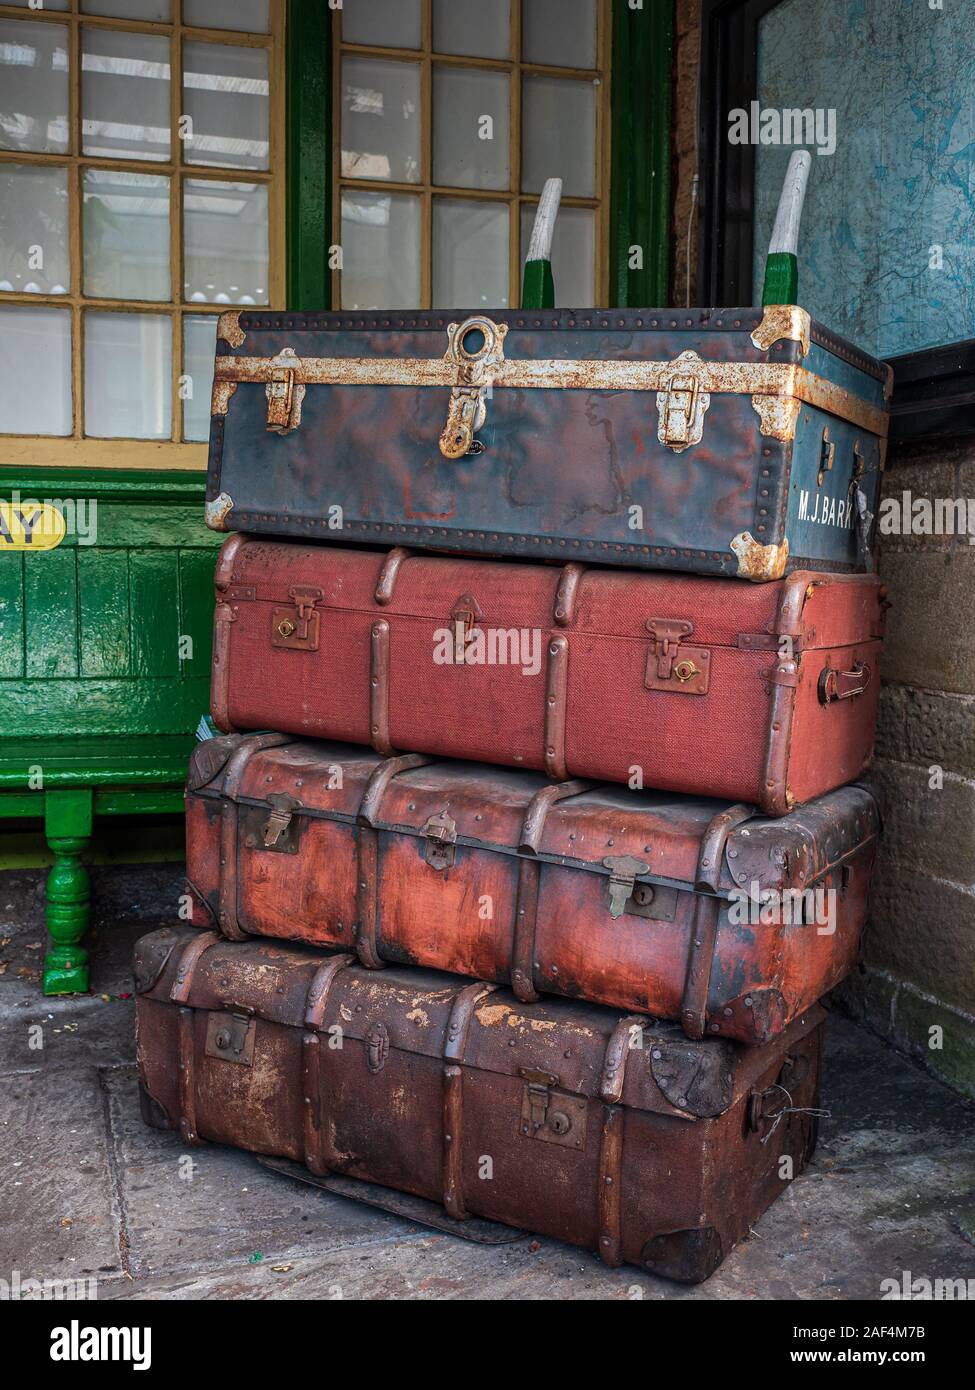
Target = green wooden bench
(104,671)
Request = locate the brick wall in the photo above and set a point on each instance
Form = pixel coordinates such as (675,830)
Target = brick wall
(917,984)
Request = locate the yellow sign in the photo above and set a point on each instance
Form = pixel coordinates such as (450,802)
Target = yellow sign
(30,526)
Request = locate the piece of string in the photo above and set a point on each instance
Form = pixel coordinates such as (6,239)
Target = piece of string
(791,1109)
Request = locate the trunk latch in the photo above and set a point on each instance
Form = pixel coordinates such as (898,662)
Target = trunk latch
(230,1036)
(555,1119)
(476,349)
(441,840)
(297,628)
(682,404)
(284,393)
(623,870)
(278,824)
(464,617)
(672,665)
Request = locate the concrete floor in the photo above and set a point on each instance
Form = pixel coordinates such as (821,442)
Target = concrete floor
(89,1190)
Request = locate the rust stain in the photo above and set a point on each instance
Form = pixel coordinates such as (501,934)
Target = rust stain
(759,562)
(220,396)
(779,416)
(229,329)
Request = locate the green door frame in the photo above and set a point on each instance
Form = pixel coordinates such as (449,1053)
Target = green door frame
(642,55)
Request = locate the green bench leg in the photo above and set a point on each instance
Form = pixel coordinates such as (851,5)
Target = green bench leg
(67,825)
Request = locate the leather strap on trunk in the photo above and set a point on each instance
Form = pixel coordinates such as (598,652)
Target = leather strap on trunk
(618,1049)
(529,873)
(317,1158)
(458,1027)
(229,820)
(704,929)
(367,855)
(185,1036)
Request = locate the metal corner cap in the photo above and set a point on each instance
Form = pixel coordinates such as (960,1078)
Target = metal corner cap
(759,562)
(783,321)
(229,329)
(217,511)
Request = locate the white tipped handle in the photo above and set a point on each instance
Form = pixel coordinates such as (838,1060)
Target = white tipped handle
(540,246)
(785,233)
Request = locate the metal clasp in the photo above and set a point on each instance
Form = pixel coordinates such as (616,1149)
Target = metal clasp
(464,617)
(278,822)
(297,628)
(476,348)
(284,393)
(672,665)
(682,404)
(230,1036)
(555,1119)
(623,870)
(827,453)
(441,840)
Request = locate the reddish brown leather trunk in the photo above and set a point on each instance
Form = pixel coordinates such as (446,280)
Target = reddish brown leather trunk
(760,693)
(606,1130)
(639,900)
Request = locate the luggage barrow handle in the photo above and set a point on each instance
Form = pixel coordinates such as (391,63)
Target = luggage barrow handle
(843,685)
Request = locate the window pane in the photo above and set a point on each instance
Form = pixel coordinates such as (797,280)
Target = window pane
(128,366)
(558,138)
(380,120)
(573,254)
(199,349)
(388,23)
(247,16)
(35,368)
(470,254)
(54,5)
(33,86)
(479,27)
(470,128)
(225,94)
(380,250)
(34,229)
(126,235)
(225,242)
(559,33)
(127,9)
(125,94)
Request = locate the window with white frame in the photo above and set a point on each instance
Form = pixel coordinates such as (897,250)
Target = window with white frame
(140,193)
(450,115)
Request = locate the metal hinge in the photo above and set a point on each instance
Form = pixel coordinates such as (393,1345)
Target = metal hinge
(682,404)
(284,393)
(826,455)
(623,870)
(441,839)
(230,1036)
(297,628)
(553,1119)
(672,665)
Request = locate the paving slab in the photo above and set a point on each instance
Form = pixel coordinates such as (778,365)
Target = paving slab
(56,1176)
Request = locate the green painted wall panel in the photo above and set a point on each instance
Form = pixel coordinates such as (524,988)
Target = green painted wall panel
(51,612)
(11,614)
(154,612)
(46,709)
(103,609)
(196,608)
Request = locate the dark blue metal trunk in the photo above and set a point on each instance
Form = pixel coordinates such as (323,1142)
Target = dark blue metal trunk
(724,441)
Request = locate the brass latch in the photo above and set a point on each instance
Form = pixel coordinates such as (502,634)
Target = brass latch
(476,348)
(230,1036)
(623,870)
(440,841)
(297,628)
(672,665)
(555,1119)
(682,404)
(284,393)
(277,827)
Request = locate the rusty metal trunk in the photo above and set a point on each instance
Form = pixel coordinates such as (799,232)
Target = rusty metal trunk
(609,1131)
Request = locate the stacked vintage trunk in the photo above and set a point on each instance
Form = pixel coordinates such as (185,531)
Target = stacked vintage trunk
(599,823)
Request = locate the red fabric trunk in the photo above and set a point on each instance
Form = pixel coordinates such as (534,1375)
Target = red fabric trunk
(758,693)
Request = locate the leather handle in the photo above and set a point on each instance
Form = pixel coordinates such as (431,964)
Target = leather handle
(843,685)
